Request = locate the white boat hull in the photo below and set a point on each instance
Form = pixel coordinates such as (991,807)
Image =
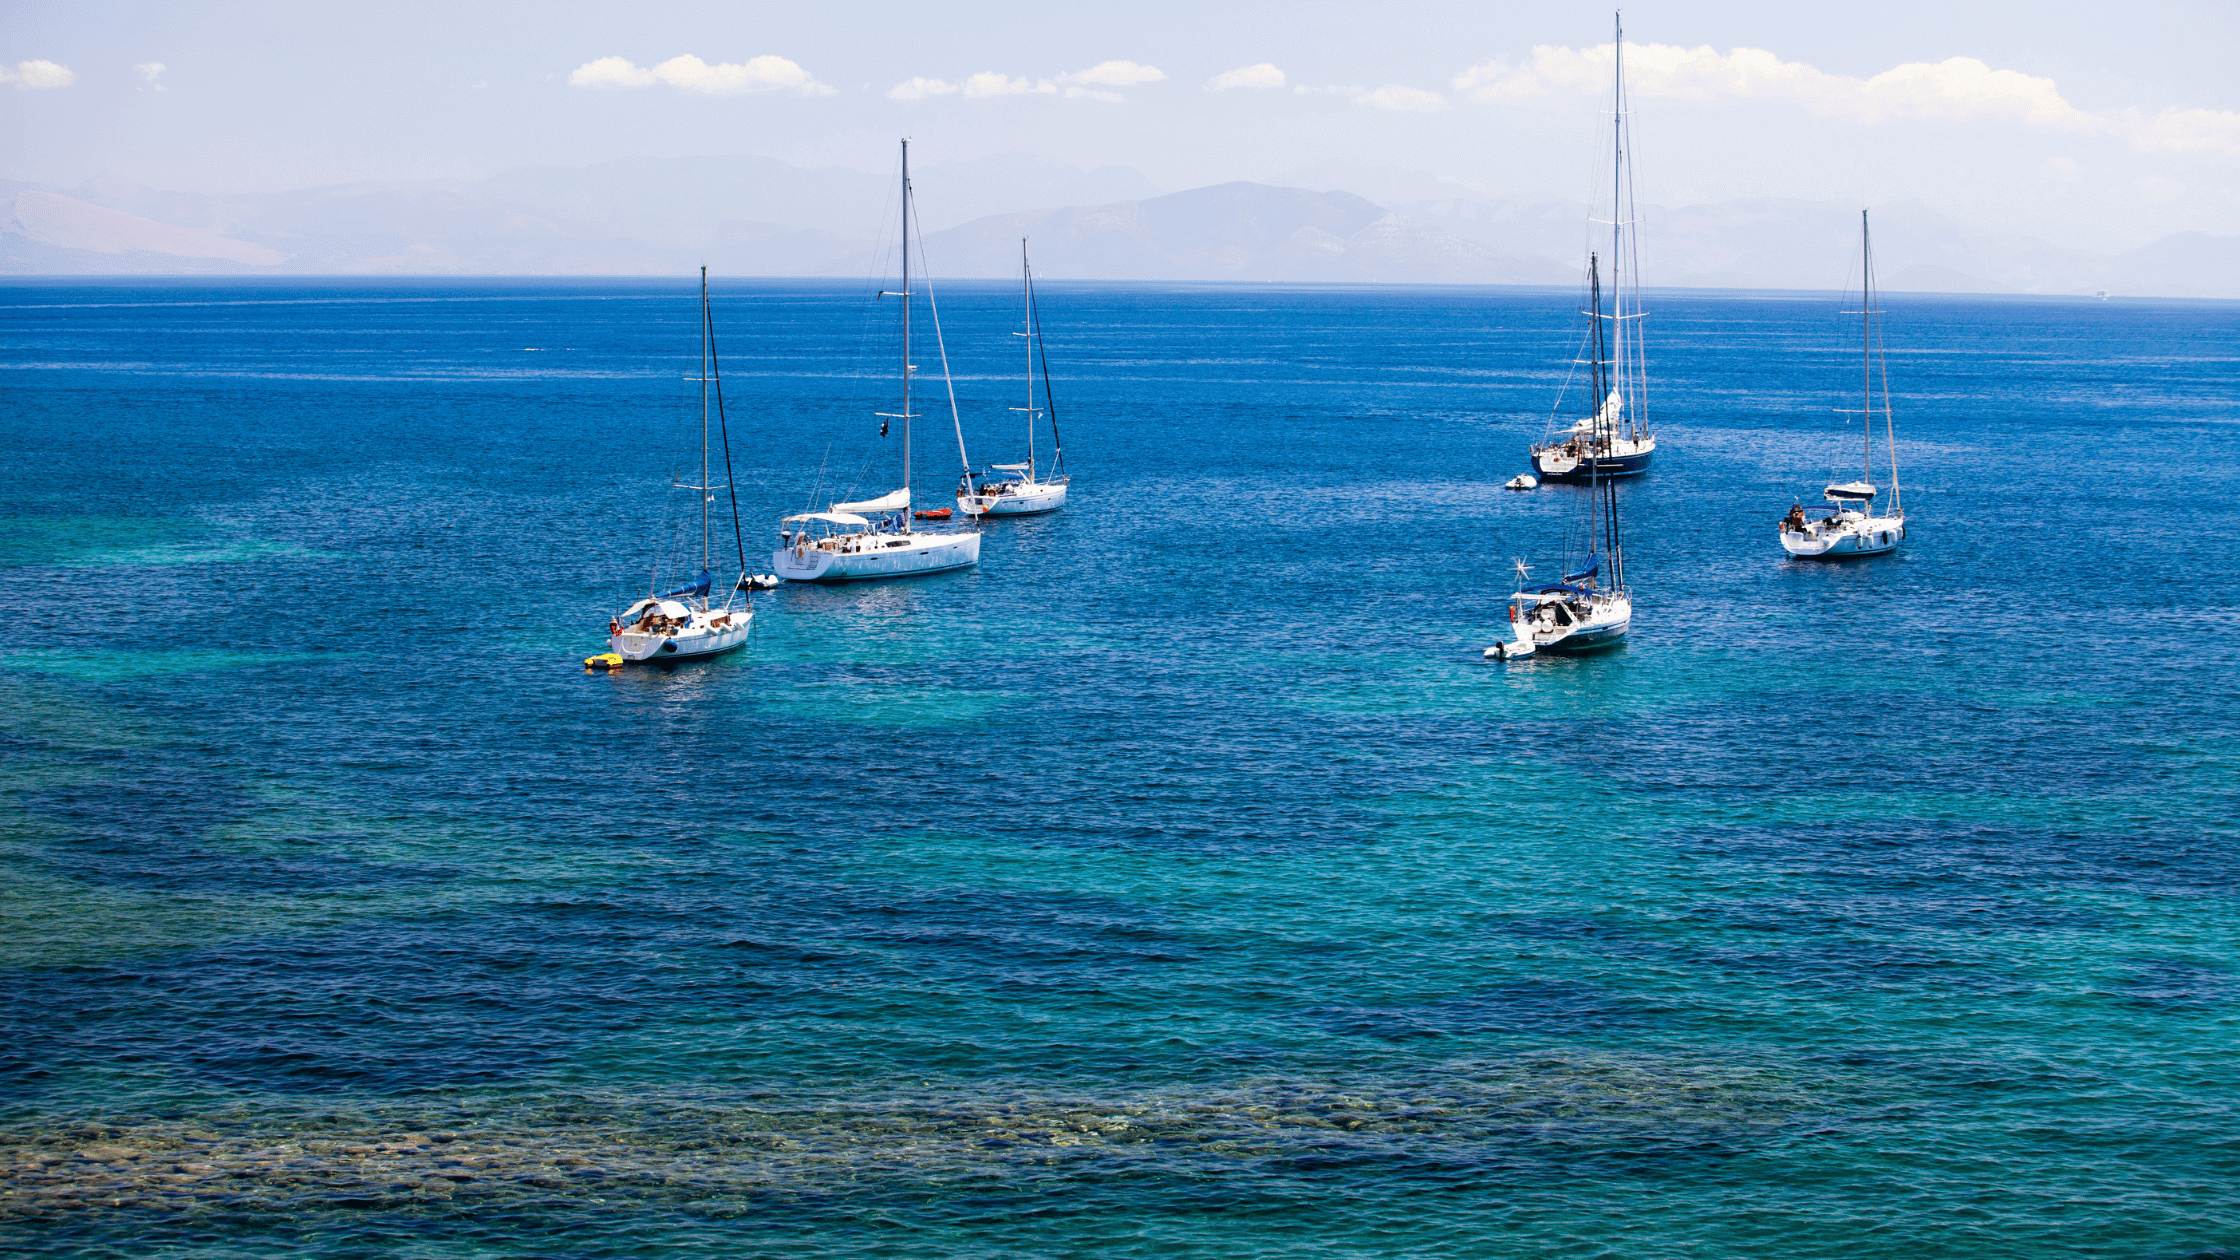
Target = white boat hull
(1026,501)
(873,556)
(699,640)
(1568,625)
(1846,540)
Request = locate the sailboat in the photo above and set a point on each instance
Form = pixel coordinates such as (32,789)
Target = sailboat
(1611,441)
(1017,489)
(681,624)
(1847,525)
(1591,608)
(875,538)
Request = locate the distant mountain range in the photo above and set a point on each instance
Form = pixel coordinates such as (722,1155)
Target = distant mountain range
(758,216)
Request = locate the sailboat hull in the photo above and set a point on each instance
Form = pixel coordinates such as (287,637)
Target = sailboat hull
(1031,500)
(1554,465)
(1876,537)
(699,643)
(876,556)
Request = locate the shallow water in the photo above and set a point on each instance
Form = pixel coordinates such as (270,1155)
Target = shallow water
(1181,881)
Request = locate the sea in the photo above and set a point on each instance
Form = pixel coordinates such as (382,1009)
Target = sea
(1183,880)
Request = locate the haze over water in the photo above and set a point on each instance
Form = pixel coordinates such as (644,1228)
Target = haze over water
(1179,882)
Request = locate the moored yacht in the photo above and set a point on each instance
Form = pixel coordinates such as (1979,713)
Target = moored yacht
(1848,525)
(875,538)
(1017,489)
(1591,608)
(681,624)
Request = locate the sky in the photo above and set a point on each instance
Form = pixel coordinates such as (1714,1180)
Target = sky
(2094,126)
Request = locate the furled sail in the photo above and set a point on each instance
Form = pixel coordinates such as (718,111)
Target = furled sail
(895,502)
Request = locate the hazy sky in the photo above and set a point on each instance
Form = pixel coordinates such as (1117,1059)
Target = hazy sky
(2094,125)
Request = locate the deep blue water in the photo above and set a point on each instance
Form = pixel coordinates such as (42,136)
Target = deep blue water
(1181,881)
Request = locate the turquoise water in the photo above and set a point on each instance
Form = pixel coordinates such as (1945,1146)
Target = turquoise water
(1181,881)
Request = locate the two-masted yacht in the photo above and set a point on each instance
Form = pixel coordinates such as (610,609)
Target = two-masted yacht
(683,623)
(876,538)
(1848,524)
(1614,439)
(1022,489)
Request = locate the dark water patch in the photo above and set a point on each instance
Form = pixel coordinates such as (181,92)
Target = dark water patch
(2177,986)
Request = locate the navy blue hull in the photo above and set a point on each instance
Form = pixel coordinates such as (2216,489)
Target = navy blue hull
(1613,466)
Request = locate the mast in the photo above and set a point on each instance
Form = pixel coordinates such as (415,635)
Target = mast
(703,490)
(1026,299)
(1617,218)
(907,507)
(1866,346)
(1049,399)
(1601,378)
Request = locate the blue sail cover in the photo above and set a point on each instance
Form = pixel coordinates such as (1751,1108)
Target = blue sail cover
(698,588)
(1593,563)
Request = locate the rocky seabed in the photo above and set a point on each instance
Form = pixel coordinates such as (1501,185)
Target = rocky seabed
(607,1149)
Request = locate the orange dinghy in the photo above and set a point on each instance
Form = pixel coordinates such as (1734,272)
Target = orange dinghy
(933,514)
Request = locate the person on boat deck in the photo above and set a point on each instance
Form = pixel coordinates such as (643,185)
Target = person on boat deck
(1795,519)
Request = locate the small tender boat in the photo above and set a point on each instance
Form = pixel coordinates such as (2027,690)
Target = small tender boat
(681,624)
(1848,525)
(1015,489)
(933,514)
(1522,481)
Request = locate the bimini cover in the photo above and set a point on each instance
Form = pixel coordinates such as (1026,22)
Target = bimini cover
(829,518)
(698,587)
(1851,490)
(1593,563)
(1011,467)
(895,502)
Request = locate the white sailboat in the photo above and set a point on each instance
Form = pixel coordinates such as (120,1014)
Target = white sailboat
(1847,525)
(874,538)
(1591,608)
(1018,489)
(1615,439)
(682,624)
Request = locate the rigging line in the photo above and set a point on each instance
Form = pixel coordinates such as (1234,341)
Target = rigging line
(730,479)
(934,308)
(1049,398)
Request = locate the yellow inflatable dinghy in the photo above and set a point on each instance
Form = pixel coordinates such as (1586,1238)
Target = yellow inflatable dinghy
(605,660)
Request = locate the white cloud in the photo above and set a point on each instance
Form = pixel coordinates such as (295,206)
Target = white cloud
(990,83)
(2159,190)
(1959,89)
(919,88)
(690,74)
(1263,75)
(1115,74)
(2183,131)
(150,71)
(30,76)
(1393,96)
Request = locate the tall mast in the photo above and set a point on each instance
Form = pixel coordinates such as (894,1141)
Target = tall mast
(1617,213)
(703,490)
(1026,301)
(906,330)
(1866,347)
(1601,378)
